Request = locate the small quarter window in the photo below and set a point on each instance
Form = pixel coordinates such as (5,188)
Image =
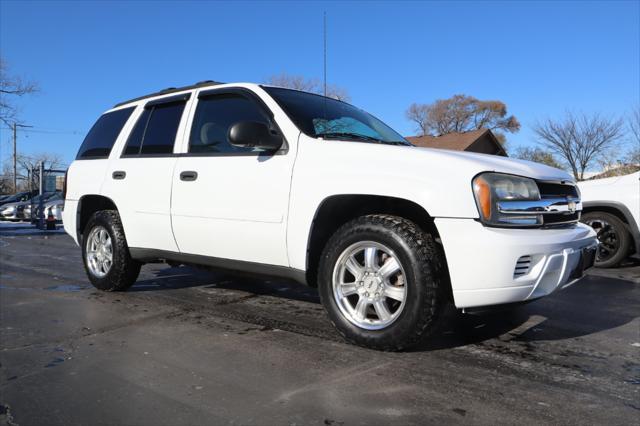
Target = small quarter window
(213,118)
(103,134)
(135,138)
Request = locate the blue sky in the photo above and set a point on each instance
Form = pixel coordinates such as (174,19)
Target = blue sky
(540,58)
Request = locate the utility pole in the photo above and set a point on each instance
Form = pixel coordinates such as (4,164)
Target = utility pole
(15,161)
(15,155)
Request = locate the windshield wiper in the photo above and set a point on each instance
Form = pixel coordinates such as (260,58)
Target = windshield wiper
(397,143)
(356,136)
(360,137)
(337,135)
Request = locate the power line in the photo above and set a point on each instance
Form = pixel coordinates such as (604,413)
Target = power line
(49,131)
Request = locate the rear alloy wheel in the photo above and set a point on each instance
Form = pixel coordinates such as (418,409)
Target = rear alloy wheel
(105,253)
(381,282)
(99,252)
(613,237)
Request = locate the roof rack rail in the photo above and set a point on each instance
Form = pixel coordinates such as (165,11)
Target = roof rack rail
(168,90)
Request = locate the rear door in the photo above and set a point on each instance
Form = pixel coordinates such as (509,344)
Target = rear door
(230,202)
(139,180)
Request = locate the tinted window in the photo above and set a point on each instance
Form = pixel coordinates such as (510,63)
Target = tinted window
(103,134)
(215,115)
(137,134)
(155,131)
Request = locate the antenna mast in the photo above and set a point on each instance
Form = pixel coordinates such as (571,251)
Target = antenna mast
(325,52)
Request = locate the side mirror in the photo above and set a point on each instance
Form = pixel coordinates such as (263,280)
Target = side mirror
(251,134)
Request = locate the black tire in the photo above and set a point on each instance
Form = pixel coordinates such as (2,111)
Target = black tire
(613,235)
(124,271)
(423,264)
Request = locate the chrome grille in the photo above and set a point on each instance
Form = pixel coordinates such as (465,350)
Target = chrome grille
(522,266)
(561,190)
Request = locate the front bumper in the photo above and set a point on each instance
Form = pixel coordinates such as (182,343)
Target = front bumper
(482,261)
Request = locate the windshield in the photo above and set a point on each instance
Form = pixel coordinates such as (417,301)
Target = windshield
(321,117)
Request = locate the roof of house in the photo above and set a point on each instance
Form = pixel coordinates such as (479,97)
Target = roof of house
(456,141)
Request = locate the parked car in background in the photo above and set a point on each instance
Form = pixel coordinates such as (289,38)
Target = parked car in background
(53,205)
(32,208)
(611,206)
(17,198)
(12,211)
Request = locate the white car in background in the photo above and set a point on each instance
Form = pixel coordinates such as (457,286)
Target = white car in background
(611,206)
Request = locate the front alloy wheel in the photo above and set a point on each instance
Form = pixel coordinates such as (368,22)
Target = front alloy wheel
(381,281)
(369,285)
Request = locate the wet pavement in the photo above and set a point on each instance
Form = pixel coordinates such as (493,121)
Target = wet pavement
(189,346)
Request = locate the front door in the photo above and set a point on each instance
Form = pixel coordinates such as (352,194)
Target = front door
(230,202)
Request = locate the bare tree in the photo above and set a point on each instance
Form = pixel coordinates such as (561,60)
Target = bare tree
(419,114)
(6,184)
(10,88)
(537,155)
(633,156)
(579,139)
(634,126)
(311,85)
(462,113)
(28,168)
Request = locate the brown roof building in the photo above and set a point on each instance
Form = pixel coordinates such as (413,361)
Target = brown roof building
(482,141)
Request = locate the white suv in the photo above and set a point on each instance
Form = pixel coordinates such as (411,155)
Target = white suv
(281,182)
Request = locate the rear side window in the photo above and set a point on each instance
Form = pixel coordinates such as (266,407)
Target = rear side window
(103,134)
(156,129)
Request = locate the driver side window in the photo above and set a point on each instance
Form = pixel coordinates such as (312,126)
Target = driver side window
(214,116)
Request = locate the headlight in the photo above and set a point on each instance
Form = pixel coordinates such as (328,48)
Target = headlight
(491,188)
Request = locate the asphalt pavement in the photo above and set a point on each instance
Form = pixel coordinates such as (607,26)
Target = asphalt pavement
(195,347)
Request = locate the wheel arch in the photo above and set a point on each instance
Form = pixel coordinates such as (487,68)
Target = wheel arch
(620,211)
(336,210)
(87,205)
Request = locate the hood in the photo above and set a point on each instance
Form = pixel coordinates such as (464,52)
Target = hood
(439,180)
(608,181)
(495,163)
